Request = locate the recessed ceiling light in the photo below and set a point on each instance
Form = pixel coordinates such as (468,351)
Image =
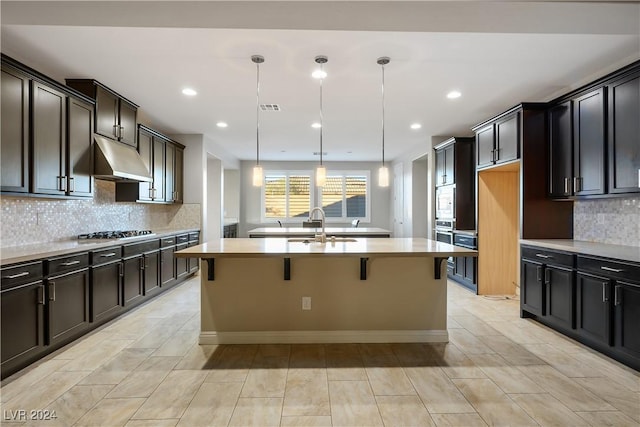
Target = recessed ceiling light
(189,92)
(316,125)
(416,126)
(454,94)
(319,74)
(222,124)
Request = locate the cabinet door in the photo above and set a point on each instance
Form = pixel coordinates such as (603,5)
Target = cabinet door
(167,266)
(170,151)
(151,273)
(589,143)
(80,139)
(106,294)
(182,264)
(484,146)
(158,169)
(106,113)
(508,139)
(127,123)
(470,269)
(459,267)
(560,296)
(440,167)
(560,150)
(132,280)
(145,148)
(14,151)
(67,306)
(532,292)
(49,140)
(627,318)
(22,325)
(624,135)
(593,308)
(449,173)
(178,176)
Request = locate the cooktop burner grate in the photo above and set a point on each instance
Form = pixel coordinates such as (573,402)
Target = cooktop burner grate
(114,234)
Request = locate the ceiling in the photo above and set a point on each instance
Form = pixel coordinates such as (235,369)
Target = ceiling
(495,54)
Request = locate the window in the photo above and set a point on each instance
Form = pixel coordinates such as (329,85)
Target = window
(286,195)
(345,195)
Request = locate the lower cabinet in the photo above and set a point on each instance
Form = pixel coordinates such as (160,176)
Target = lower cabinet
(464,270)
(593,300)
(182,264)
(67,306)
(132,280)
(106,291)
(151,273)
(167,266)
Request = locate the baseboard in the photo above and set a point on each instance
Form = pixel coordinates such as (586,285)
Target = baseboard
(307,337)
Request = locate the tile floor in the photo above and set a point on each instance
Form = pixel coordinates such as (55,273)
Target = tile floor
(146,369)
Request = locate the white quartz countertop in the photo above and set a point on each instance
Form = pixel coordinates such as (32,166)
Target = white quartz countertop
(16,254)
(620,252)
(329,231)
(362,247)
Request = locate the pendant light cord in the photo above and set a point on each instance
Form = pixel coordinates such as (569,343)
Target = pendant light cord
(382,114)
(257,113)
(321,124)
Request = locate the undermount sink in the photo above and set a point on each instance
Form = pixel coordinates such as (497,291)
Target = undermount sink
(329,240)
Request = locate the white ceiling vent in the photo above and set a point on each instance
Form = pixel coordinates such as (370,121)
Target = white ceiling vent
(270,107)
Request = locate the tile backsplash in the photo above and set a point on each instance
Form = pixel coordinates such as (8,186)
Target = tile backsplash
(30,220)
(615,221)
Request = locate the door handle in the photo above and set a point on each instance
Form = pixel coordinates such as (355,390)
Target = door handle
(52,291)
(617,300)
(41,294)
(72,184)
(614,270)
(109,255)
(547,276)
(120,269)
(115,130)
(141,263)
(567,190)
(539,273)
(544,256)
(15,276)
(120,132)
(67,264)
(605,297)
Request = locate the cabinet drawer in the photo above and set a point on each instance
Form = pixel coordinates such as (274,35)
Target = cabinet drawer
(182,238)
(464,240)
(194,236)
(168,241)
(612,269)
(68,263)
(141,247)
(21,273)
(104,256)
(547,256)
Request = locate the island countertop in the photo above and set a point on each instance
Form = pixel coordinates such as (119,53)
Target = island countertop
(361,247)
(310,231)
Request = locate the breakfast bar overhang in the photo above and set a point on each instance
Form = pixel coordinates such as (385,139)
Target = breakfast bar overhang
(274,290)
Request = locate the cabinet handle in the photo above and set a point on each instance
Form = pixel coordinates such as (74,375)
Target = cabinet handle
(169,241)
(577,184)
(544,256)
(605,298)
(614,270)
(41,294)
(67,264)
(144,264)
(72,184)
(15,276)
(115,130)
(52,291)
(120,269)
(539,273)
(142,258)
(617,300)
(547,276)
(567,190)
(154,193)
(109,255)
(151,192)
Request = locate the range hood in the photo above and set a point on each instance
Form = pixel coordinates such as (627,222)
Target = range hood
(114,161)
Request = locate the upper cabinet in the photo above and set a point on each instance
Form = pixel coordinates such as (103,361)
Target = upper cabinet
(498,140)
(624,134)
(593,138)
(444,165)
(164,159)
(115,115)
(46,135)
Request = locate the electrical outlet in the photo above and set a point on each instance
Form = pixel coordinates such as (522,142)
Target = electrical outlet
(306,303)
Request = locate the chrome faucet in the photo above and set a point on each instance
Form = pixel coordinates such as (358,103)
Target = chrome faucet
(322,238)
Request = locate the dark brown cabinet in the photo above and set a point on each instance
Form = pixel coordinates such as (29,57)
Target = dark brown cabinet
(67,305)
(532,288)
(107,271)
(465,269)
(115,116)
(498,141)
(593,308)
(445,165)
(14,152)
(158,171)
(624,134)
(151,272)
(167,266)
(627,318)
(169,172)
(80,151)
(133,280)
(194,263)
(560,294)
(178,186)
(561,150)
(589,143)
(49,140)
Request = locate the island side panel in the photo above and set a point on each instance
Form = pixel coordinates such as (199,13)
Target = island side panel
(249,301)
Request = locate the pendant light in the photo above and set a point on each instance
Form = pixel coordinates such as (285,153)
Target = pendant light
(257,169)
(383,172)
(321,171)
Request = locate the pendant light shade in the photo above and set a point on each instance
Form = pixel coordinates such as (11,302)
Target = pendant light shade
(383,172)
(321,171)
(257,169)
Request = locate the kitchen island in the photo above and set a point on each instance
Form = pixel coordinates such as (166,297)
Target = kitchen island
(272,290)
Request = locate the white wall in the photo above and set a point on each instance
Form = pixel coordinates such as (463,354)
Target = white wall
(420,197)
(250,196)
(215,184)
(231,196)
